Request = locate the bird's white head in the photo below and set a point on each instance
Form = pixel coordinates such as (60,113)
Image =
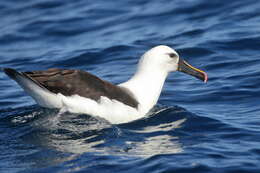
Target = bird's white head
(162,58)
(165,59)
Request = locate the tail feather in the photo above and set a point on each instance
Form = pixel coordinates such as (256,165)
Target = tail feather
(40,94)
(15,75)
(11,73)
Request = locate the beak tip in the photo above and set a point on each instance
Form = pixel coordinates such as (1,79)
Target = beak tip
(205,77)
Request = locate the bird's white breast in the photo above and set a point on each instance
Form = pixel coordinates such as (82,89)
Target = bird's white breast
(112,110)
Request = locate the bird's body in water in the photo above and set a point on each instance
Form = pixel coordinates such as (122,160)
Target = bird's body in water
(81,92)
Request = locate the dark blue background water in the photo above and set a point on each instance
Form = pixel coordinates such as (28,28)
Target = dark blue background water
(213,127)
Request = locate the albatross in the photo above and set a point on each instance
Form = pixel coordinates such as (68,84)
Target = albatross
(78,91)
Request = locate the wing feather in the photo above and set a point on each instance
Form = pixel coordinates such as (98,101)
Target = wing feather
(72,82)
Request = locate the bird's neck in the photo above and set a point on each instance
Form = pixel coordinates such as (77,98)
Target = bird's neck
(146,86)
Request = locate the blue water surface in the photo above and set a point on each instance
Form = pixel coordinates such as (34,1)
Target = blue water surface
(196,127)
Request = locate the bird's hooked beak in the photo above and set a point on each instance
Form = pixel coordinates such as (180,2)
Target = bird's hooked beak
(184,67)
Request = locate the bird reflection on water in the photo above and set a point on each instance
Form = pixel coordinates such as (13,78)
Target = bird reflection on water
(74,133)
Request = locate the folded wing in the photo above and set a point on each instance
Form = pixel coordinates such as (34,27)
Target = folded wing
(72,82)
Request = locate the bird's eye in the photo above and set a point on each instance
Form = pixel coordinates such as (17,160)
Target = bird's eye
(172,55)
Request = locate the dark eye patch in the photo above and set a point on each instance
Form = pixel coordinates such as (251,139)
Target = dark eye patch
(172,55)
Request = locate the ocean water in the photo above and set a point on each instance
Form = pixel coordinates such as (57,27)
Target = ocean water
(195,127)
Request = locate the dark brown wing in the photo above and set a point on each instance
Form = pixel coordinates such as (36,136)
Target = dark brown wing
(71,82)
